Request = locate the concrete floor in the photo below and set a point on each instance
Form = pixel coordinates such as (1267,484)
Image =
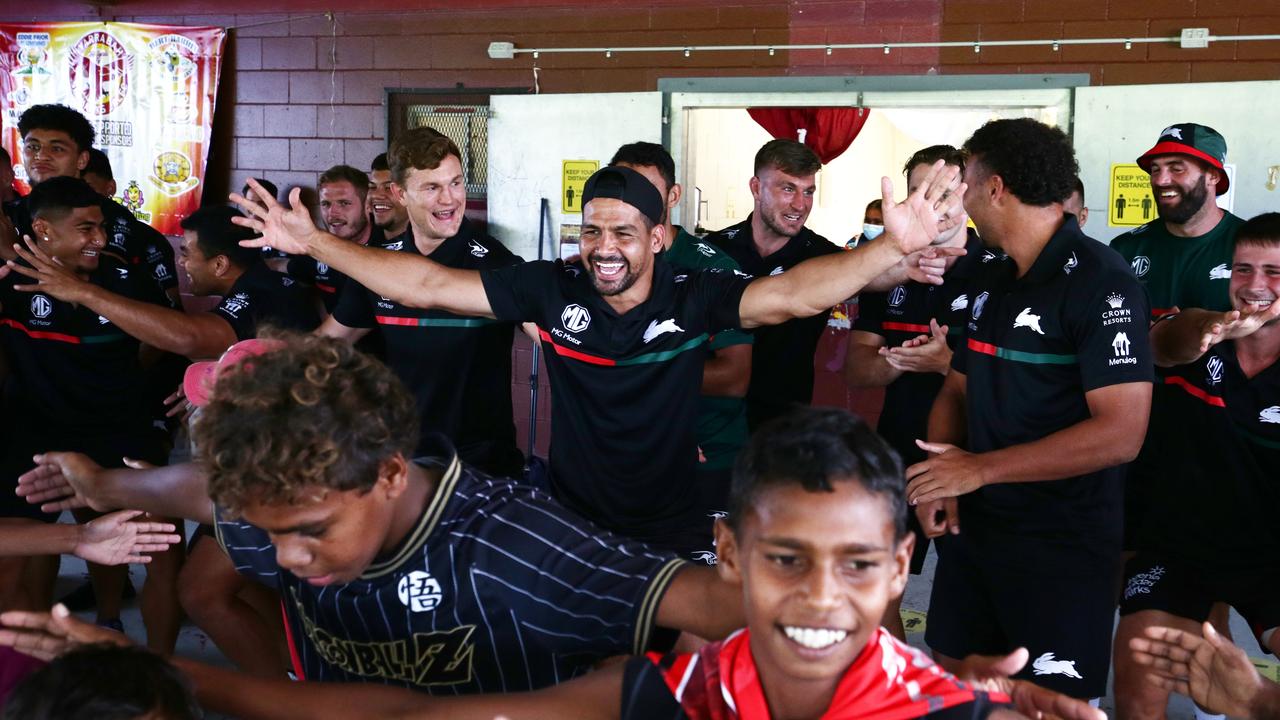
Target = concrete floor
(195,644)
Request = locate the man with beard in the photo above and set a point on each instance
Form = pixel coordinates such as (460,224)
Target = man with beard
(389,214)
(1183,257)
(342,191)
(620,329)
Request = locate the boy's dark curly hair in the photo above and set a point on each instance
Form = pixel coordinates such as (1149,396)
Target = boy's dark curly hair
(315,413)
(1036,162)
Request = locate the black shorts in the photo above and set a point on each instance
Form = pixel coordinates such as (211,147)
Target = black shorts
(145,443)
(1161,581)
(1065,620)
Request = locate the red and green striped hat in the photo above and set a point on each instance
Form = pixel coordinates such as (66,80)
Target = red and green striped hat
(1198,141)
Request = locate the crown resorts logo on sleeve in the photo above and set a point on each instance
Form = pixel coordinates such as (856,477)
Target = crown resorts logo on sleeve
(1116,313)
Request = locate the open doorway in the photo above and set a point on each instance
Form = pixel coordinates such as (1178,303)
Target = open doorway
(721,145)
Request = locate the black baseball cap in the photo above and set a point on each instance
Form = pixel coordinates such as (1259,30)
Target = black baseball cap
(627,185)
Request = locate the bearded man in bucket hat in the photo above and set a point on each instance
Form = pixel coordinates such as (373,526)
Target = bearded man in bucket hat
(1183,257)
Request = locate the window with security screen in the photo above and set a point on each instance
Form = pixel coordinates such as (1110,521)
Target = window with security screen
(463,115)
(468,127)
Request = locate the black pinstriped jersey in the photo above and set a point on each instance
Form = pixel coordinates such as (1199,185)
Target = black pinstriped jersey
(496,589)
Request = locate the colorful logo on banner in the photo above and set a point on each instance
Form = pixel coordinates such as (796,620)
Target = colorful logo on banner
(148,91)
(100,73)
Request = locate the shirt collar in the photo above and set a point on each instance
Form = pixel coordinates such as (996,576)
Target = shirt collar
(1056,252)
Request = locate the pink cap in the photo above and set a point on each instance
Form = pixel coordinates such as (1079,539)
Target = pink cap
(198,381)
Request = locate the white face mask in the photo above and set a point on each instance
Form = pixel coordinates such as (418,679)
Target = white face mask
(871,232)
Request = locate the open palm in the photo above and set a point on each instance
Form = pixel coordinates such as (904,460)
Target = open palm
(288,229)
(117,539)
(934,207)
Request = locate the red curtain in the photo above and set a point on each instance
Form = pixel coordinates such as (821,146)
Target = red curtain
(829,131)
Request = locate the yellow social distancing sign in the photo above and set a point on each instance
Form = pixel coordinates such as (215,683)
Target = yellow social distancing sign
(573,180)
(913,621)
(1131,202)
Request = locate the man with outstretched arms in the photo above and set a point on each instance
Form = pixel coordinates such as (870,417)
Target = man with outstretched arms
(726,370)
(619,328)
(457,366)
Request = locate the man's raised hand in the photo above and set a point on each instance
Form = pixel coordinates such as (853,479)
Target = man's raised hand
(288,229)
(51,276)
(933,208)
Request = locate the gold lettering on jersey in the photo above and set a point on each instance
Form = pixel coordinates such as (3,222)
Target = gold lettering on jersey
(444,657)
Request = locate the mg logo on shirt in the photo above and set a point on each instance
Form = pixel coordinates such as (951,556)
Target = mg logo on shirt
(575,318)
(897,295)
(41,306)
(1141,265)
(1214,366)
(419,592)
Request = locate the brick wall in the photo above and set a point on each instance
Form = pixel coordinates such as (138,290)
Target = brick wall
(304,91)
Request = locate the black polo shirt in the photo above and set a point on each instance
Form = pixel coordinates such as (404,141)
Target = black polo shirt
(263,296)
(1210,469)
(782,357)
(625,387)
(1075,322)
(457,367)
(904,313)
(327,281)
(69,367)
(139,244)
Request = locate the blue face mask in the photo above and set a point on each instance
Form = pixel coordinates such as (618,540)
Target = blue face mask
(871,232)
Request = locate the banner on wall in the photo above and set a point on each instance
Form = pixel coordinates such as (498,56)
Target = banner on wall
(148,90)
